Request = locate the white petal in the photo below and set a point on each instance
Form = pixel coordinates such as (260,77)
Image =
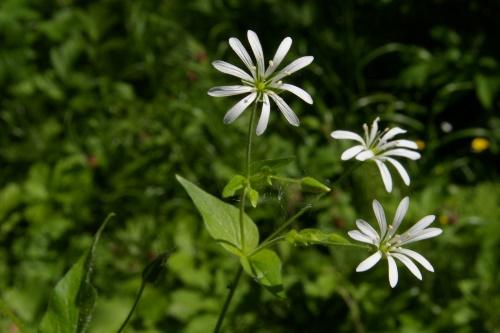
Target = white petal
(398,217)
(299,92)
(279,56)
(227,68)
(351,152)
(367,154)
(397,143)
(238,108)
(369,262)
(290,116)
(347,135)
(386,176)
(380,216)
(367,229)
(417,257)
(224,91)
(412,155)
(423,234)
(402,171)
(374,131)
(264,116)
(293,67)
(242,53)
(393,271)
(409,264)
(253,39)
(422,224)
(392,133)
(359,236)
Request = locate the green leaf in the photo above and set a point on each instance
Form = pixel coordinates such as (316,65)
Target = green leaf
(222,220)
(253,195)
(313,185)
(73,299)
(315,236)
(236,183)
(265,267)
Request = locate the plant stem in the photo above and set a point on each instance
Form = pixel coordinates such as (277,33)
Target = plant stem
(229,297)
(137,298)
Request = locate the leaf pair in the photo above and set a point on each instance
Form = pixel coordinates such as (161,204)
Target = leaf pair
(222,223)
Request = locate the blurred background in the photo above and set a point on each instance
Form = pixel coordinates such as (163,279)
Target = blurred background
(103,102)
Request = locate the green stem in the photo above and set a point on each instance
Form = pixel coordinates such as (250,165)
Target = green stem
(229,297)
(137,298)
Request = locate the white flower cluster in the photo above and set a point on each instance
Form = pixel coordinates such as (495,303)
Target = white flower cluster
(263,84)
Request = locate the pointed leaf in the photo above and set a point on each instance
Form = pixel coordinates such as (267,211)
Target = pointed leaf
(265,267)
(313,185)
(235,184)
(253,195)
(222,220)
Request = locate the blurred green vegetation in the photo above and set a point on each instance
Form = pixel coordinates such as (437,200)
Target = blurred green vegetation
(102,102)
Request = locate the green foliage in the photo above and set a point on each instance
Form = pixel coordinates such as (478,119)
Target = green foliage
(265,267)
(222,221)
(73,299)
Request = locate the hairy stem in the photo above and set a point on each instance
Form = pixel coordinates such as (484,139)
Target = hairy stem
(229,297)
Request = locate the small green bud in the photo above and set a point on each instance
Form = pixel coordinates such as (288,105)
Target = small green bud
(235,184)
(313,185)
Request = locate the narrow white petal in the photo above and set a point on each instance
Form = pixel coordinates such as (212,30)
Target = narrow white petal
(397,143)
(412,155)
(392,133)
(423,234)
(398,217)
(380,216)
(409,264)
(386,176)
(347,135)
(224,91)
(279,56)
(299,92)
(369,262)
(287,112)
(374,131)
(293,67)
(351,152)
(401,170)
(417,257)
(242,53)
(253,39)
(367,154)
(393,271)
(359,236)
(264,116)
(238,108)
(367,229)
(227,68)
(422,224)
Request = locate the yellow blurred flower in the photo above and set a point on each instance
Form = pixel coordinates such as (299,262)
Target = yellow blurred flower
(479,144)
(420,144)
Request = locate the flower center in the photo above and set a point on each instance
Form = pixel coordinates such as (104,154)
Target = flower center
(261,86)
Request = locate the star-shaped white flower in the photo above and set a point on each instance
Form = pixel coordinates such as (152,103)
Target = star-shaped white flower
(389,244)
(378,147)
(262,84)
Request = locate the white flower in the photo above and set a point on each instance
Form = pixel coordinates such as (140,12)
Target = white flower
(389,244)
(262,84)
(376,146)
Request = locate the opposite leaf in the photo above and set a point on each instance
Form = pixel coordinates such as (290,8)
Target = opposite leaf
(222,220)
(236,183)
(265,267)
(73,299)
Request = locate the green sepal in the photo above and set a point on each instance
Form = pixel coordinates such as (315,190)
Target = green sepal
(236,183)
(265,267)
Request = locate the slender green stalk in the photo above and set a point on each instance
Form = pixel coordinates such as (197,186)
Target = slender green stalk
(229,297)
(137,298)
(248,171)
